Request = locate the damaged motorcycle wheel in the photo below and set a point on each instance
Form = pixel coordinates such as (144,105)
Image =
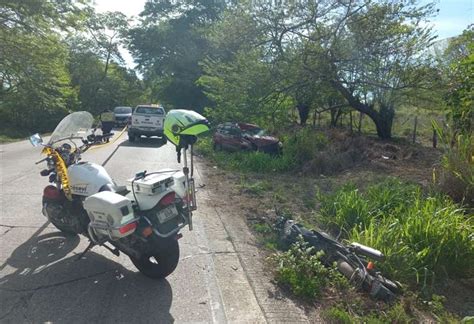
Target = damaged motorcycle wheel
(161,263)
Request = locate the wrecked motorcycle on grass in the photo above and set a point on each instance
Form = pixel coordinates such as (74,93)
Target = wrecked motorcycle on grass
(141,219)
(355,261)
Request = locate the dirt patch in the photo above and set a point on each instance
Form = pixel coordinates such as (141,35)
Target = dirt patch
(411,162)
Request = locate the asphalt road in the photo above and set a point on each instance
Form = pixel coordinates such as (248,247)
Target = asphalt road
(41,279)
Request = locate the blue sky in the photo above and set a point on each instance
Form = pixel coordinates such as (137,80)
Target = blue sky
(453,17)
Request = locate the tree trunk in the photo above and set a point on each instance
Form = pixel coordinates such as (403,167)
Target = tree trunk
(435,138)
(303,111)
(414,129)
(359,127)
(335,115)
(382,119)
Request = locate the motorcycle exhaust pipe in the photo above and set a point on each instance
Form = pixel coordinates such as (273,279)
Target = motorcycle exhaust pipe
(367,251)
(350,273)
(345,268)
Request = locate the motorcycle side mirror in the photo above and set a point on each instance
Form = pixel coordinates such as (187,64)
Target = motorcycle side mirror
(36,140)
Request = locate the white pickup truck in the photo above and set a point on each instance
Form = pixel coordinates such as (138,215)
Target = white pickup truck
(146,120)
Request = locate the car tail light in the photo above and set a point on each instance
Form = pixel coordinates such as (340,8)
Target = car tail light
(127,228)
(51,192)
(168,199)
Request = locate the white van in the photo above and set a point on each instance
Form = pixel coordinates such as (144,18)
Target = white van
(146,120)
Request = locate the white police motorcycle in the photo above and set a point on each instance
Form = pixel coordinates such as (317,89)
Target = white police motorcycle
(141,219)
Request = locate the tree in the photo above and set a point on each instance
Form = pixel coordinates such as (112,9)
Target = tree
(33,77)
(105,33)
(97,66)
(168,46)
(459,70)
(368,51)
(375,58)
(96,90)
(243,89)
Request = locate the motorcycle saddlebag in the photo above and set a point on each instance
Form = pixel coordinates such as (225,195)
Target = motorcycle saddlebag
(111,214)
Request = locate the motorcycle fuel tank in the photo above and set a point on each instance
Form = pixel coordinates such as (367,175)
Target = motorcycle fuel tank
(87,178)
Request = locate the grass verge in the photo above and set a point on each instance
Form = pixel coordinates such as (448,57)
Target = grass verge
(425,237)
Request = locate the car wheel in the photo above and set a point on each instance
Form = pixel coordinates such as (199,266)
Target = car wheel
(131,137)
(217,147)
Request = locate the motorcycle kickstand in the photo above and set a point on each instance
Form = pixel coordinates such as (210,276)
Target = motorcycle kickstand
(114,250)
(90,246)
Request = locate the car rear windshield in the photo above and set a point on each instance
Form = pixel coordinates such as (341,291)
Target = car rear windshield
(150,111)
(123,110)
(255,132)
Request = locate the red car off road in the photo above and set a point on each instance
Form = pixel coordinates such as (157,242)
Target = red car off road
(244,137)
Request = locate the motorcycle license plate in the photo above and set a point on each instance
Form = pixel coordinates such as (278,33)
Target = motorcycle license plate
(167,213)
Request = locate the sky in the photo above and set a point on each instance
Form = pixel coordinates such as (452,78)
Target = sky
(453,17)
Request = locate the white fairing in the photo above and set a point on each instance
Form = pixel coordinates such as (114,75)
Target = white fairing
(87,178)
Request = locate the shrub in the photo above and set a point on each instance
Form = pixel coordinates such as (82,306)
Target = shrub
(336,314)
(423,237)
(301,269)
(204,146)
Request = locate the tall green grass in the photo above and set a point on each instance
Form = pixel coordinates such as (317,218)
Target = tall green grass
(425,237)
(457,176)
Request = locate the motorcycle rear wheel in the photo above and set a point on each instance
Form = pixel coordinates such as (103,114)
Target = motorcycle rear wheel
(161,263)
(66,229)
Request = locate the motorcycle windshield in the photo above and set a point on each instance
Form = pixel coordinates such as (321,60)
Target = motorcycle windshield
(73,125)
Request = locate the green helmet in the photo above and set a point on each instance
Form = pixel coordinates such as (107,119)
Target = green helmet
(181,122)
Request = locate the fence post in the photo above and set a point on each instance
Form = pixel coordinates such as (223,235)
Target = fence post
(350,119)
(414,129)
(435,138)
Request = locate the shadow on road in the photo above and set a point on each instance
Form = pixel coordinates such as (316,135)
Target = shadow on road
(46,287)
(145,142)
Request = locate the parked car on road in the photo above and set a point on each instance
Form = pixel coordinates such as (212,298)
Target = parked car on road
(243,136)
(122,115)
(146,120)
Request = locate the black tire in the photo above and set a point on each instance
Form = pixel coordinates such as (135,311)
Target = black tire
(393,286)
(131,137)
(164,140)
(64,228)
(159,264)
(217,147)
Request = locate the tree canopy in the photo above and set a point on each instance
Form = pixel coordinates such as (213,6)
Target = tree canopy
(57,56)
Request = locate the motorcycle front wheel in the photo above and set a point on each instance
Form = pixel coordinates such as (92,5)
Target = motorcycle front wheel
(160,263)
